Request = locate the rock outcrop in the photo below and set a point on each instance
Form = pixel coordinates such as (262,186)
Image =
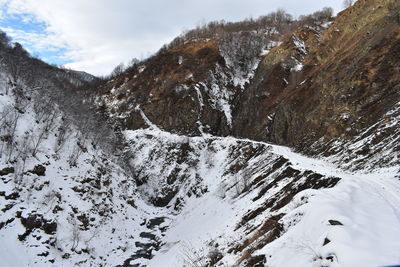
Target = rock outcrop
(317,82)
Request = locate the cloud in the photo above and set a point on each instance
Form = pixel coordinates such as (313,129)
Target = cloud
(35,41)
(99,34)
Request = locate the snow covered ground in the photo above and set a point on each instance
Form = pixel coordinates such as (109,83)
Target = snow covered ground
(365,207)
(194,200)
(80,209)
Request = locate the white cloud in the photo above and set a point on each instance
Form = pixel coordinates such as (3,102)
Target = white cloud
(100,34)
(37,41)
(2,4)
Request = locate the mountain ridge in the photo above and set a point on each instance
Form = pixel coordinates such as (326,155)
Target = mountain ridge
(327,49)
(269,142)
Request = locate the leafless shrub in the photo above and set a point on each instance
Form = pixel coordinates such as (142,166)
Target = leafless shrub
(41,132)
(62,135)
(75,234)
(9,131)
(348,3)
(119,69)
(202,257)
(19,171)
(50,199)
(308,247)
(193,257)
(317,19)
(74,156)
(241,50)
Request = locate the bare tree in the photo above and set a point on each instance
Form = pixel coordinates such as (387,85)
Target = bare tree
(193,257)
(221,190)
(4,39)
(19,170)
(242,182)
(317,19)
(348,3)
(74,156)
(62,136)
(22,148)
(10,132)
(75,235)
(241,50)
(6,117)
(36,139)
(41,132)
(118,70)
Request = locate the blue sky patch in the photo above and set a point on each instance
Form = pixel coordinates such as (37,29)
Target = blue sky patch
(32,34)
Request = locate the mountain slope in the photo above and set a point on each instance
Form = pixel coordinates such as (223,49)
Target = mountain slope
(196,156)
(327,81)
(61,195)
(255,198)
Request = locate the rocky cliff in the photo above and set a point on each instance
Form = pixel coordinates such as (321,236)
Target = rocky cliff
(196,155)
(313,82)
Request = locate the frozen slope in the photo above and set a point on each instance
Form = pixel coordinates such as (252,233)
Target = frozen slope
(368,206)
(190,201)
(355,223)
(63,201)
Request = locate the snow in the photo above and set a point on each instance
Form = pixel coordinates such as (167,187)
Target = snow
(181,88)
(270,45)
(297,67)
(350,154)
(265,52)
(327,24)
(300,45)
(141,68)
(146,120)
(13,253)
(366,202)
(368,208)
(41,194)
(302,50)
(345,116)
(220,96)
(199,96)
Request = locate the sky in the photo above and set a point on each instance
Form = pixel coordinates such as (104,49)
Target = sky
(96,35)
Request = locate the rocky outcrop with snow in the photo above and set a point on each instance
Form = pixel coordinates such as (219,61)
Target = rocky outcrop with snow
(195,158)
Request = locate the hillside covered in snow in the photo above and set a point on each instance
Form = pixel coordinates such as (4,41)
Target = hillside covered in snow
(272,142)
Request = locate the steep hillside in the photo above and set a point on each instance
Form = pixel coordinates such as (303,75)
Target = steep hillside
(59,186)
(348,82)
(199,75)
(329,89)
(326,81)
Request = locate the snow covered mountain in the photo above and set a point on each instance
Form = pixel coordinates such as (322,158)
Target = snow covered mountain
(210,155)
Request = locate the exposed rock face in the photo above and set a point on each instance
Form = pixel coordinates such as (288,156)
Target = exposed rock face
(331,91)
(325,90)
(39,170)
(34,221)
(168,92)
(314,84)
(6,171)
(349,80)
